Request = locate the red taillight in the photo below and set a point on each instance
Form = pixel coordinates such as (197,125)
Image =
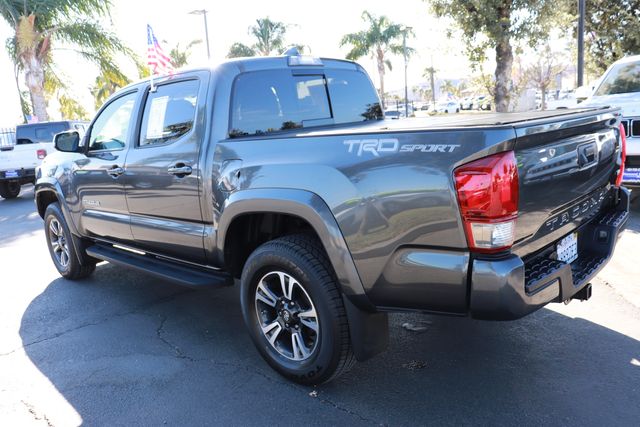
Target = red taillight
(487,192)
(623,155)
(42,154)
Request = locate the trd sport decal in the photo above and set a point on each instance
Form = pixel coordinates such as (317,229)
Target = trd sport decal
(392,145)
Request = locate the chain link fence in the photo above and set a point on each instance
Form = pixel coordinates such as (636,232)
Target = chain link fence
(7,138)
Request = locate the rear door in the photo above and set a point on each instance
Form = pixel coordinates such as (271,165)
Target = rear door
(163,174)
(566,167)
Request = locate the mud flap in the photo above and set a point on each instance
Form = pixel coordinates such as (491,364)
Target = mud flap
(369,331)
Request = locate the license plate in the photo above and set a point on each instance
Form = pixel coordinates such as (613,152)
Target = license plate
(11,174)
(567,248)
(631,175)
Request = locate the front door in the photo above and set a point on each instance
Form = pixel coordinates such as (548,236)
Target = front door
(163,173)
(97,177)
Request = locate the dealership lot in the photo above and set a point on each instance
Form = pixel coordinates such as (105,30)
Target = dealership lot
(122,348)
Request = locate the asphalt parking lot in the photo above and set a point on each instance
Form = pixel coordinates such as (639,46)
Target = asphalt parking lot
(124,349)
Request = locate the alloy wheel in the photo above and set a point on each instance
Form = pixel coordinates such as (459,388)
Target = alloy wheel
(287,316)
(58,242)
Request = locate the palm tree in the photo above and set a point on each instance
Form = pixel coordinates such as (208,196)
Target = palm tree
(449,88)
(269,39)
(106,84)
(38,25)
(378,40)
(180,57)
(430,73)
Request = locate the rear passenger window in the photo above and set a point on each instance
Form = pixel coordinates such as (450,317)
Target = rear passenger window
(169,112)
(274,100)
(353,97)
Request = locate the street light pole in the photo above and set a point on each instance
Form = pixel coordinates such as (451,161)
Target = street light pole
(406,90)
(204,12)
(581,19)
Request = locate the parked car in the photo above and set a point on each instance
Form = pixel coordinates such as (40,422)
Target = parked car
(289,180)
(620,87)
(18,161)
(565,100)
(467,103)
(392,114)
(448,107)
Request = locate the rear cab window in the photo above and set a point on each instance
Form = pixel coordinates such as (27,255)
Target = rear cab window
(271,101)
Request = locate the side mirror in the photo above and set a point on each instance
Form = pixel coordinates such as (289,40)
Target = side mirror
(68,142)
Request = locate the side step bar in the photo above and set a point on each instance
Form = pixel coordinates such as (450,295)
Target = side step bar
(179,273)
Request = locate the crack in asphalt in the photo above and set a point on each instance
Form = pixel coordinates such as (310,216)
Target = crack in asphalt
(34,413)
(101,321)
(178,353)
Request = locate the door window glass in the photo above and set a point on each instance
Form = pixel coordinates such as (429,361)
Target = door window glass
(111,129)
(169,112)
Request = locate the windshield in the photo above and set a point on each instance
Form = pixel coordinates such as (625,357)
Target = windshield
(623,78)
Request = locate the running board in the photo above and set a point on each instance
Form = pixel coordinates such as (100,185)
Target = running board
(179,273)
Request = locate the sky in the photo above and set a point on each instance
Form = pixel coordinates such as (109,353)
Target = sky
(320,27)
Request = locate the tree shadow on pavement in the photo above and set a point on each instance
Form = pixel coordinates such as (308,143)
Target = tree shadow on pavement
(123,348)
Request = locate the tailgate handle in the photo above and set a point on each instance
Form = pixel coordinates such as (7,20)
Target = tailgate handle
(587,154)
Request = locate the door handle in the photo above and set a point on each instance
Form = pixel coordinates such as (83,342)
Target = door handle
(115,171)
(180,170)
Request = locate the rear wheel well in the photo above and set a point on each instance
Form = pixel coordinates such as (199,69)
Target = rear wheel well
(44,199)
(249,231)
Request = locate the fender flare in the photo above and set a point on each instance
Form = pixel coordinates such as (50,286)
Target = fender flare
(54,187)
(309,207)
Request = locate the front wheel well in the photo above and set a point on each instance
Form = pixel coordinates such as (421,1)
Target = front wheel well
(248,231)
(44,199)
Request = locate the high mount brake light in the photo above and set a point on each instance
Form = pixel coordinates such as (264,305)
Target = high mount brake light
(487,191)
(42,154)
(623,155)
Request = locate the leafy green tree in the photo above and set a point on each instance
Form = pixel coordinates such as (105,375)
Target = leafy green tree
(39,25)
(269,39)
(240,50)
(380,38)
(613,31)
(497,25)
(180,57)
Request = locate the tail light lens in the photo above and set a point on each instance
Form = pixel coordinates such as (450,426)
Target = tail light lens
(623,155)
(42,154)
(487,192)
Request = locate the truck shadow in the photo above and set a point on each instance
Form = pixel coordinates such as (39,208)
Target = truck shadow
(126,349)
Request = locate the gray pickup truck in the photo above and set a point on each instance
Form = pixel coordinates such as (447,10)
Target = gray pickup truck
(281,172)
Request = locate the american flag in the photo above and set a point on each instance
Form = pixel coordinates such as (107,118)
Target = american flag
(157,60)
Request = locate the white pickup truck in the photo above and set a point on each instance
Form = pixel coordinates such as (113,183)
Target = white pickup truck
(21,154)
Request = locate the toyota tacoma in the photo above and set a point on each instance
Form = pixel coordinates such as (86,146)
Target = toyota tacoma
(281,173)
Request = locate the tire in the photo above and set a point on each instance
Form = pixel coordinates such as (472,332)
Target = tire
(457,110)
(324,346)
(61,246)
(10,189)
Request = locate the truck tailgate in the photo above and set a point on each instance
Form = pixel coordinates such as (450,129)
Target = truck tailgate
(566,167)
(22,156)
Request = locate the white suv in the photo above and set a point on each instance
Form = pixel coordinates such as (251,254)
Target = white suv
(620,87)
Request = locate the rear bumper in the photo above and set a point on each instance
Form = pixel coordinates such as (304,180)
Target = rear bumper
(510,288)
(22,175)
